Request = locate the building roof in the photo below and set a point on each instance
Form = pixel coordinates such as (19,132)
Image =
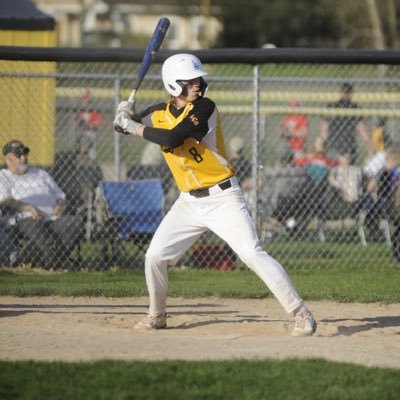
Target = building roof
(23,15)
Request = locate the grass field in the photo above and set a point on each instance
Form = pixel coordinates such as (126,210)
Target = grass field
(237,379)
(180,380)
(380,284)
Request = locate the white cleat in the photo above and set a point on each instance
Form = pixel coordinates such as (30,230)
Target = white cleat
(152,322)
(305,323)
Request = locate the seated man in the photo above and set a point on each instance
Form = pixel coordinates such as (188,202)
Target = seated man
(38,205)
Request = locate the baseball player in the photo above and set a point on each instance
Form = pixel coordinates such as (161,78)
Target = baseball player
(188,129)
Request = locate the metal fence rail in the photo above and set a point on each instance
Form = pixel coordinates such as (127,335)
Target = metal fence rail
(55,103)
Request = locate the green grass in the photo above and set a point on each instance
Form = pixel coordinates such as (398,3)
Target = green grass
(339,251)
(242,380)
(342,284)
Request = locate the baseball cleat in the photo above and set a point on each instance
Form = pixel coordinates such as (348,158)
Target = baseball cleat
(152,322)
(305,323)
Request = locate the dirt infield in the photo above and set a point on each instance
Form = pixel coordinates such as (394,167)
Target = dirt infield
(72,329)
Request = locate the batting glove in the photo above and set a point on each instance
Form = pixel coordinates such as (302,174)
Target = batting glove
(127,107)
(124,121)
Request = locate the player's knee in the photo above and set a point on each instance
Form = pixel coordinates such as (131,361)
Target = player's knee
(247,255)
(152,257)
(250,254)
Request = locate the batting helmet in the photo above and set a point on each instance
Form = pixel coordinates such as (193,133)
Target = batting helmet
(181,67)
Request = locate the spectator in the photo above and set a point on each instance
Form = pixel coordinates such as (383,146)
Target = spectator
(316,163)
(339,132)
(380,140)
(387,202)
(39,207)
(309,199)
(151,155)
(77,174)
(373,167)
(88,120)
(293,130)
(151,164)
(239,163)
(346,179)
(243,170)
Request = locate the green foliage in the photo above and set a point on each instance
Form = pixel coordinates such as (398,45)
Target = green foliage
(282,22)
(306,23)
(239,379)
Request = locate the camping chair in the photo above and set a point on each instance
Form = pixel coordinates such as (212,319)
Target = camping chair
(132,212)
(17,248)
(8,246)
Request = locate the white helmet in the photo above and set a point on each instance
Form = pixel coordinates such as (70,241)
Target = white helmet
(181,67)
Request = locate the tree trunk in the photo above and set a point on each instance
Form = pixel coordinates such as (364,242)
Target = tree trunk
(392,23)
(377,34)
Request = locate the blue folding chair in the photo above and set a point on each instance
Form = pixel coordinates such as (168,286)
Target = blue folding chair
(134,211)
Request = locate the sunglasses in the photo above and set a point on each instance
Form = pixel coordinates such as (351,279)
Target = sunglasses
(17,149)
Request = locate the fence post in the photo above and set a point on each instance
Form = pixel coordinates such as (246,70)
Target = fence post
(117,137)
(256,145)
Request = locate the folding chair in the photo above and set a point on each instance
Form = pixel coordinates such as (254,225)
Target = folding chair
(133,212)
(8,246)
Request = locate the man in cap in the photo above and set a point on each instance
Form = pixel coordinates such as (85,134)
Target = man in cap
(37,205)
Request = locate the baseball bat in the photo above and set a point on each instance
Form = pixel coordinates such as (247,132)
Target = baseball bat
(151,50)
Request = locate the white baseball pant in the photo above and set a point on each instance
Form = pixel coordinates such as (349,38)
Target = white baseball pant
(224,212)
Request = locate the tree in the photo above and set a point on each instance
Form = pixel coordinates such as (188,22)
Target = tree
(377,34)
(309,23)
(285,23)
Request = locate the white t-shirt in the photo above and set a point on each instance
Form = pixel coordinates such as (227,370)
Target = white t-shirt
(35,187)
(375,164)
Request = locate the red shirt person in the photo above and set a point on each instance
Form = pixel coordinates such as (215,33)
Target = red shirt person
(316,163)
(87,118)
(294,129)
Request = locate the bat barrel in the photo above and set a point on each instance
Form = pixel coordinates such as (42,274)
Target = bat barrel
(150,53)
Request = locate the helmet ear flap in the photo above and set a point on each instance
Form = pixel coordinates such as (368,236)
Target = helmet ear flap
(183,89)
(175,90)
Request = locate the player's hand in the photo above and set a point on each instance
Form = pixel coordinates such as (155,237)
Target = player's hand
(127,107)
(129,127)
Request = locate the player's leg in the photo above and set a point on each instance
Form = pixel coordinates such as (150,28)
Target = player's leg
(231,221)
(177,232)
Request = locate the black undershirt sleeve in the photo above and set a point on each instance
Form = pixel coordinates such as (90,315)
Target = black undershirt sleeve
(194,125)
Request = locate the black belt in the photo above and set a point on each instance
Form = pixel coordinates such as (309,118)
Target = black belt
(206,192)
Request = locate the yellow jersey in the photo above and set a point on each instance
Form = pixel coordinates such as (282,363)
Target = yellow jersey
(191,141)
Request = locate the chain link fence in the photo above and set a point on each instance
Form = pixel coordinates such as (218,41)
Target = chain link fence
(314,140)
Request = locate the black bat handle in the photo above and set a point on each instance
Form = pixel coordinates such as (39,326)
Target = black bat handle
(118,129)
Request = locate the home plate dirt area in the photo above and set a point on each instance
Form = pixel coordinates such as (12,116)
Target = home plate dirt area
(87,329)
